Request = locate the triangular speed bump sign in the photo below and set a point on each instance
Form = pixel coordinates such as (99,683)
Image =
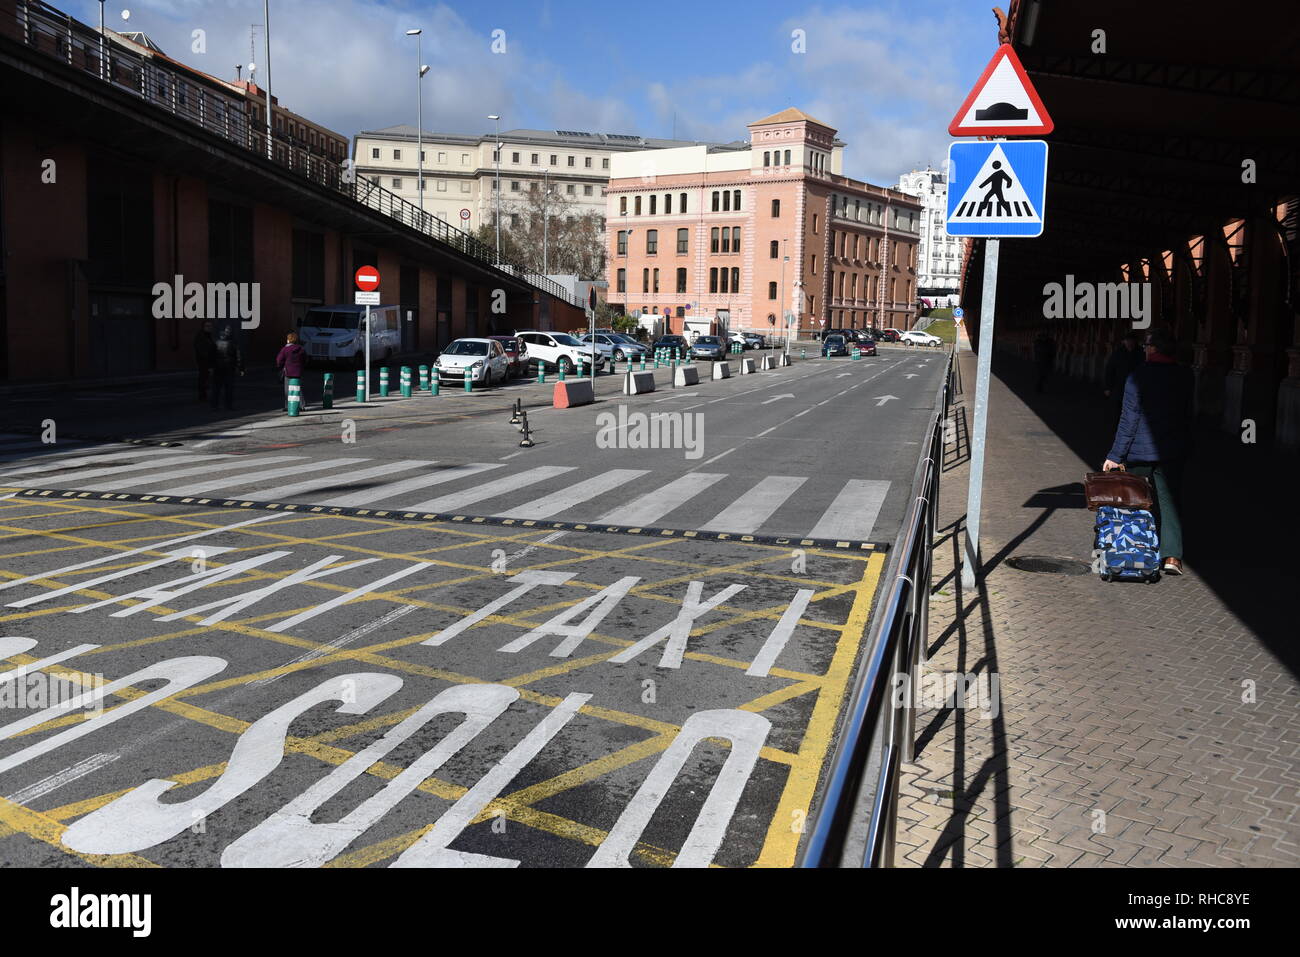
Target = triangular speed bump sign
(1003,102)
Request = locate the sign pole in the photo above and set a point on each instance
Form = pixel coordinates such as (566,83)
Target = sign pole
(975,490)
(367,353)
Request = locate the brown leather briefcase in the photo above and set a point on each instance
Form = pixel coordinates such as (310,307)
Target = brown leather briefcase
(1119,488)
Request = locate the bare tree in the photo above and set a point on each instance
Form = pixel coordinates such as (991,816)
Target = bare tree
(549,223)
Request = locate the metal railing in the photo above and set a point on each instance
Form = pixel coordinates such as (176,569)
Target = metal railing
(208,105)
(880,730)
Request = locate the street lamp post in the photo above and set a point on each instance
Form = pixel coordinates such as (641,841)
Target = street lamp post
(546,220)
(101,39)
(421,70)
(497,217)
(781,299)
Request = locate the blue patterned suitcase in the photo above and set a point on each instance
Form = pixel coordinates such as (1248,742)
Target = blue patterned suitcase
(1125,545)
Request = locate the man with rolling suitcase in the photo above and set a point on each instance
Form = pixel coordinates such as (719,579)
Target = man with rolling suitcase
(1154,437)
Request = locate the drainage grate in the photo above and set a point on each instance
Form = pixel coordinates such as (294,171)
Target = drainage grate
(1049,565)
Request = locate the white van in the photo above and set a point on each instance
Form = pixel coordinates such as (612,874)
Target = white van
(330,333)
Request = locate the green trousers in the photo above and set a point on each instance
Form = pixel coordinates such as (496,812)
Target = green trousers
(1168,480)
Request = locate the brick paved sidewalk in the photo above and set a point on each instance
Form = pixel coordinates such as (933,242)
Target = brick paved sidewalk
(1139,725)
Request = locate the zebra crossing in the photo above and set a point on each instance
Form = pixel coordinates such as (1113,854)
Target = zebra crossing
(816,507)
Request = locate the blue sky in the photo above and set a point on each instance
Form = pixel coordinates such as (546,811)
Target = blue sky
(887,75)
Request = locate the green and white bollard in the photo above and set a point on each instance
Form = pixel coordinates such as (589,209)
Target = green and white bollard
(643,362)
(559,374)
(383,381)
(433,385)
(857,353)
(295,396)
(361,387)
(327,392)
(405,382)
(541,374)
(424,379)
(469,382)
(803,353)
(579,367)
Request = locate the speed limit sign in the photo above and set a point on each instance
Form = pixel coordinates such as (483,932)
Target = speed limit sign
(464,214)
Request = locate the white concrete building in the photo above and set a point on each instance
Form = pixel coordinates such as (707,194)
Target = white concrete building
(460,170)
(939,257)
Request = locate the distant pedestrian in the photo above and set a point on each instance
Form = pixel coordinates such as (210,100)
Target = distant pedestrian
(1044,357)
(292,362)
(205,351)
(227,362)
(1120,364)
(1154,437)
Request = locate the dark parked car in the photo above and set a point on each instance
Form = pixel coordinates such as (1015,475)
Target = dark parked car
(709,347)
(834,345)
(866,347)
(888,335)
(516,352)
(670,343)
(756,340)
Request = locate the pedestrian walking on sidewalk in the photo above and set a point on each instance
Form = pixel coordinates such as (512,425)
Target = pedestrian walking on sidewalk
(204,353)
(1119,366)
(1044,357)
(1154,437)
(227,363)
(292,363)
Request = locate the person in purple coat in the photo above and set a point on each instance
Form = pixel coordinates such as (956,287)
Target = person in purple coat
(292,362)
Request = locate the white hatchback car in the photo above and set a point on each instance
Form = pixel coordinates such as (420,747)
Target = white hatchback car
(917,338)
(483,361)
(559,350)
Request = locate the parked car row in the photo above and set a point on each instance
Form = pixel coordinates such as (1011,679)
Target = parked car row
(837,344)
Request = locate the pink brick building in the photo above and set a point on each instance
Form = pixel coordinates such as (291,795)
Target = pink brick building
(740,230)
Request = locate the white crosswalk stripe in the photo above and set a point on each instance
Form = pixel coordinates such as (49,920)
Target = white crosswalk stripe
(457,501)
(567,498)
(652,506)
(392,489)
(748,513)
(207,468)
(339,478)
(852,515)
(61,461)
(780,505)
(251,478)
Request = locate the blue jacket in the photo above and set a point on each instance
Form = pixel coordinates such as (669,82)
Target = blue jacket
(1156,424)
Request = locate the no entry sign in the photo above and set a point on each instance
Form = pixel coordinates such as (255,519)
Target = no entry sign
(367,278)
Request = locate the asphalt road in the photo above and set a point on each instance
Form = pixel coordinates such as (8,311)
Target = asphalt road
(399,638)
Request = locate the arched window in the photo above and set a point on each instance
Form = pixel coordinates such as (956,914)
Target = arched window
(713,239)
(735,279)
(735,200)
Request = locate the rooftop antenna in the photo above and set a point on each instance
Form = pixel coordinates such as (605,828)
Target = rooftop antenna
(252,47)
(239,67)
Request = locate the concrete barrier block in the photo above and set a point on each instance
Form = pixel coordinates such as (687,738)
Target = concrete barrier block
(638,383)
(783,360)
(573,392)
(721,370)
(767,362)
(746,366)
(686,375)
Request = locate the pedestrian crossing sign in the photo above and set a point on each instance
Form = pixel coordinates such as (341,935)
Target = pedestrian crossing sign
(996,188)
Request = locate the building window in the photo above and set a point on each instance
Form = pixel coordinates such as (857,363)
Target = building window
(587,162)
(622,280)
(572,160)
(682,207)
(717,201)
(726,200)
(668,204)
(636,206)
(713,240)
(622,242)
(787,157)
(681,278)
(814,224)
(571,190)
(397,182)
(683,240)
(535,160)
(735,279)
(735,239)
(442,186)
(622,205)
(397,154)
(586,191)
(496,155)
(767,158)
(554,160)
(514,186)
(776,208)
(713,279)
(604,164)
(514,157)
(514,219)
(655,288)
(771,290)
(735,200)
(726,240)
(374,152)
(532,187)
(645,280)
(725,286)
(814,264)
(652,242)
(653,200)
(773,249)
